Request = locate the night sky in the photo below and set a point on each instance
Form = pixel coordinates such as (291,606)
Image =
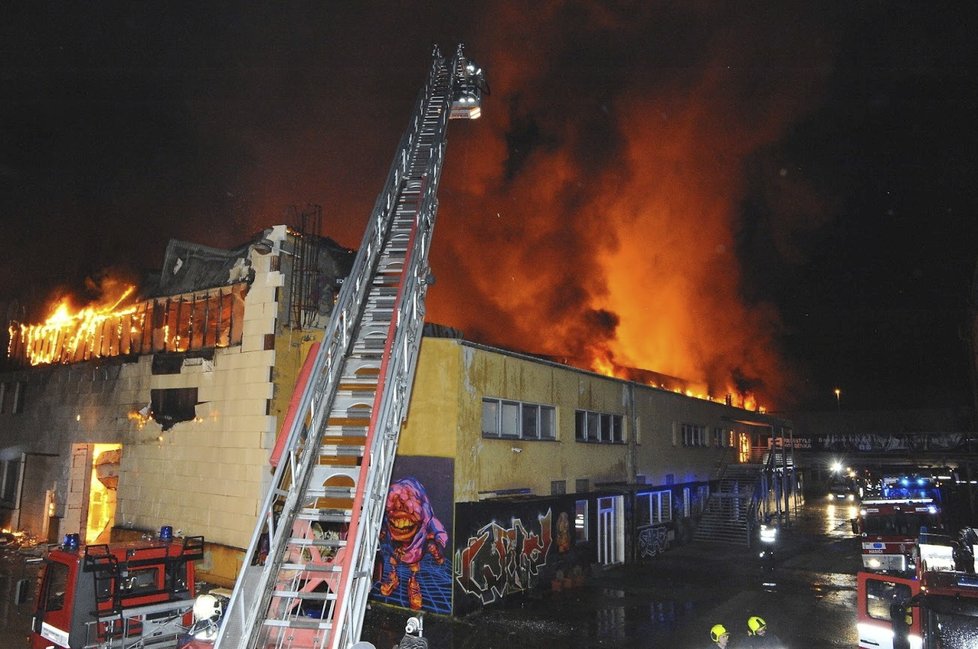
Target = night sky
(780,199)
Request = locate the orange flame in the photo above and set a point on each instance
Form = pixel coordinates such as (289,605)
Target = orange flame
(71,329)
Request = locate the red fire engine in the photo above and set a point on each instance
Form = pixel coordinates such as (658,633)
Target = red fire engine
(891,522)
(935,609)
(116,595)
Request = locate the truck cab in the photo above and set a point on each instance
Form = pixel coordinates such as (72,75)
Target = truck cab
(934,608)
(115,595)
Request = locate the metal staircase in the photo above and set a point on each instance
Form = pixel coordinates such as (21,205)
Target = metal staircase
(745,494)
(308,570)
(729,511)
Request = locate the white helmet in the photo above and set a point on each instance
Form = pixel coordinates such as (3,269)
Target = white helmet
(413,625)
(206,607)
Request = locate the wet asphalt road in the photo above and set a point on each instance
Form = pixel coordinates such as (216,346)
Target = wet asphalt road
(672,601)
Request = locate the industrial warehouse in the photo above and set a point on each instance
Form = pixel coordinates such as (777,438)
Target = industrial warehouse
(530,472)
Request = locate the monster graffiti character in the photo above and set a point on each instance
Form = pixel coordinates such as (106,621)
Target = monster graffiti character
(412,531)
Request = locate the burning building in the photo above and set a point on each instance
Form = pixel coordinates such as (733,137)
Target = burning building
(162,406)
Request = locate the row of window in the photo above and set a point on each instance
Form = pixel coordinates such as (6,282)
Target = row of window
(518,420)
(655,507)
(510,419)
(696,435)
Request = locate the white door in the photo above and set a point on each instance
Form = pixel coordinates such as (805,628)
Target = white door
(76,500)
(611,532)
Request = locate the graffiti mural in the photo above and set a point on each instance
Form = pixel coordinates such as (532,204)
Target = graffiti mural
(412,571)
(651,541)
(497,560)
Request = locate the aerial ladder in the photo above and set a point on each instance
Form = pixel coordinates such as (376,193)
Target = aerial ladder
(308,570)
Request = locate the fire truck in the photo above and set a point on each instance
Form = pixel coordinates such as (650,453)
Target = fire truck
(936,608)
(107,596)
(890,522)
(309,567)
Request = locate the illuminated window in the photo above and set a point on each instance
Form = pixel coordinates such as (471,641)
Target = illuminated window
(580,521)
(518,420)
(653,507)
(598,427)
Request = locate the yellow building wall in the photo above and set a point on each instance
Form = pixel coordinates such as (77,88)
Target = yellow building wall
(660,452)
(432,418)
(485,465)
(445,420)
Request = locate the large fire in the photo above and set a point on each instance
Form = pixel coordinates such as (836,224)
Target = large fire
(117,326)
(600,214)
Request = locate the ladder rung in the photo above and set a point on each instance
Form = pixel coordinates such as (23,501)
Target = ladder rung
(330,492)
(348,421)
(317,543)
(300,623)
(340,459)
(311,596)
(312,567)
(357,387)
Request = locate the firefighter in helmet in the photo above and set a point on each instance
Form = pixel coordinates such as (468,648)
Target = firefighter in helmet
(720,636)
(758,635)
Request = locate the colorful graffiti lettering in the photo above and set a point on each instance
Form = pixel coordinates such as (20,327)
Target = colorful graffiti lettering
(498,561)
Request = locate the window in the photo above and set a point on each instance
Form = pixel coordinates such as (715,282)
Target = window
(9,475)
(140,580)
(718,437)
(598,427)
(581,485)
(653,507)
(694,435)
(518,420)
(880,594)
(558,487)
(702,497)
(580,521)
(510,421)
(55,584)
(18,405)
(170,406)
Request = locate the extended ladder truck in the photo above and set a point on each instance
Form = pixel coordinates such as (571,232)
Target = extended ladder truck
(309,567)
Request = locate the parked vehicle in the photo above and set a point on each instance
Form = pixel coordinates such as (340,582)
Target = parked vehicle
(116,595)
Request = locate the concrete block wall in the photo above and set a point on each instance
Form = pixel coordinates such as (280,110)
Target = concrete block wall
(208,476)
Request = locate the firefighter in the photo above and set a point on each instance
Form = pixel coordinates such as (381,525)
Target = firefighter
(758,637)
(720,635)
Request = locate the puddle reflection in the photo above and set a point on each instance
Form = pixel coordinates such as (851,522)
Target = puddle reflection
(617,623)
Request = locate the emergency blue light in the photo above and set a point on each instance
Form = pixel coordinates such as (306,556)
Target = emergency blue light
(904,481)
(166,533)
(70,542)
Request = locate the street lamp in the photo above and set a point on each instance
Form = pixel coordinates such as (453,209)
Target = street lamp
(838,398)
